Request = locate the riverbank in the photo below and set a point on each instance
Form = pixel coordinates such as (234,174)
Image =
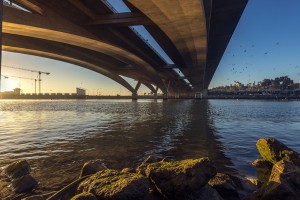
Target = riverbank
(156,178)
(62,97)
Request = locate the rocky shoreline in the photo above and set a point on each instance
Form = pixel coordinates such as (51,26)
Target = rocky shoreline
(278,177)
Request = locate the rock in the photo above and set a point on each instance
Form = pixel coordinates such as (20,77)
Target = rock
(92,167)
(17,169)
(261,163)
(273,151)
(39,197)
(130,170)
(84,196)
(284,183)
(263,170)
(254,182)
(205,193)
(24,184)
(113,184)
(243,183)
(143,166)
(35,197)
(153,194)
(263,174)
(178,178)
(224,185)
(68,191)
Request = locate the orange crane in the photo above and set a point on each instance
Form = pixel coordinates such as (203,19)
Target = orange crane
(10,76)
(30,70)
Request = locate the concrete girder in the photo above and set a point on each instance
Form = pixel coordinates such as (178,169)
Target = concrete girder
(148,85)
(60,52)
(121,19)
(137,87)
(184,26)
(21,23)
(74,61)
(29,6)
(83,8)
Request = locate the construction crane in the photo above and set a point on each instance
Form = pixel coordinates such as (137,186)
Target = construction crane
(10,76)
(30,70)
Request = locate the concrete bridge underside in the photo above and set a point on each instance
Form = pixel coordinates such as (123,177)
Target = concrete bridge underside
(89,33)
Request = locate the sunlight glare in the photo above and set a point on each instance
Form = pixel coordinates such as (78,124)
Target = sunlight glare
(9,85)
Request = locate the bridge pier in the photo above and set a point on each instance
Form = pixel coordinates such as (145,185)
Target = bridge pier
(134,97)
(201,95)
(134,94)
(165,96)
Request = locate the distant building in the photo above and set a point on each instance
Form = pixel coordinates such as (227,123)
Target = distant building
(237,84)
(80,92)
(17,91)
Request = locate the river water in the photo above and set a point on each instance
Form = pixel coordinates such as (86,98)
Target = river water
(57,137)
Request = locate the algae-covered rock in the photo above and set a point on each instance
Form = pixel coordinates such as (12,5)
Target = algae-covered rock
(284,183)
(68,191)
(130,170)
(273,151)
(143,166)
(224,185)
(261,163)
(176,179)
(39,197)
(84,196)
(113,184)
(263,174)
(35,197)
(17,169)
(205,193)
(24,184)
(92,167)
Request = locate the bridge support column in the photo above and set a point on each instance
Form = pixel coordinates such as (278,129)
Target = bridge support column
(134,94)
(201,95)
(165,96)
(155,93)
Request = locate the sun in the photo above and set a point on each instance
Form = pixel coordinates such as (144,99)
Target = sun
(9,85)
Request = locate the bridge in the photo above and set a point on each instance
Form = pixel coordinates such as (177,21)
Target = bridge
(92,34)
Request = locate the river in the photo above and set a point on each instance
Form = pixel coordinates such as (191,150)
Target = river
(57,137)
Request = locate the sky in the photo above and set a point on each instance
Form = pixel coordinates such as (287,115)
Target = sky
(265,44)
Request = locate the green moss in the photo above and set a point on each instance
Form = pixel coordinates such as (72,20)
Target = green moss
(176,166)
(265,150)
(109,183)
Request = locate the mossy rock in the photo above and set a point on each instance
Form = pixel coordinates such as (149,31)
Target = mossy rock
(273,151)
(92,167)
(143,166)
(224,185)
(205,193)
(261,163)
(84,196)
(113,184)
(24,184)
(17,169)
(176,179)
(284,183)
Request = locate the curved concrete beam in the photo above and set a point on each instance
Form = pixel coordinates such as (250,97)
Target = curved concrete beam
(184,22)
(148,85)
(74,61)
(29,6)
(28,25)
